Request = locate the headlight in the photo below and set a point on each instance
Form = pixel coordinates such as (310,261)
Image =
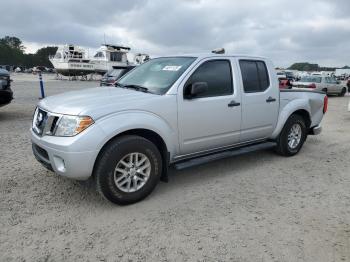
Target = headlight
(72,125)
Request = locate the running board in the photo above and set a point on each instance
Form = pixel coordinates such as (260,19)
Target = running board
(223,154)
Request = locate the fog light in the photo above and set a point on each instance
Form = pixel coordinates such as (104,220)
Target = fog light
(59,163)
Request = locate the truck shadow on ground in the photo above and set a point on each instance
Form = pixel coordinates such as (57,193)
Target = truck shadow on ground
(178,179)
(222,168)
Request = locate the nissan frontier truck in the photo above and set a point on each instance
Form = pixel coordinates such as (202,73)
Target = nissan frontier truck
(178,111)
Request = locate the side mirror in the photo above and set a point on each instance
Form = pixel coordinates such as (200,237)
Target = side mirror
(195,89)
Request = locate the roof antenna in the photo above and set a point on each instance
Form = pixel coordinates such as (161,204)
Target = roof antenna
(218,51)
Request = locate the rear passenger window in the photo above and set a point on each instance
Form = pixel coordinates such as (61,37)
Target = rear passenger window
(217,74)
(263,75)
(255,76)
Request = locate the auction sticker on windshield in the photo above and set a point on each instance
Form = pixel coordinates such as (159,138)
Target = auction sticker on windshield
(171,68)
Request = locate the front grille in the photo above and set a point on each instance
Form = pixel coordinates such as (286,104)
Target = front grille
(39,121)
(44,123)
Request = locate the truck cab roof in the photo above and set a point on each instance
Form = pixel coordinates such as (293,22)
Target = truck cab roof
(214,55)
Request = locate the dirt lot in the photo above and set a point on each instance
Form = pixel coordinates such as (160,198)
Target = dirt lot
(256,207)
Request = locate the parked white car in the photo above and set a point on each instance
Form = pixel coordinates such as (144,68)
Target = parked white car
(326,84)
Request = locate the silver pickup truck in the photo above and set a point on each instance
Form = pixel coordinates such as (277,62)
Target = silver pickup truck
(176,111)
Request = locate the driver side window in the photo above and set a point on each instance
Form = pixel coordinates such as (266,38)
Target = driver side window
(218,76)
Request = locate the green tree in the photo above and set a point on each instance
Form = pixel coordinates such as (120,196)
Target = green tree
(10,56)
(13,42)
(42,55)
(304,67)
(12,53)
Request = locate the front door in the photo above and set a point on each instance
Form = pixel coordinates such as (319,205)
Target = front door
(212,119)
(260,101)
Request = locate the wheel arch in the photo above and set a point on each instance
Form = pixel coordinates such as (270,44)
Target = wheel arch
(305,115)
(148,134)
(295,107)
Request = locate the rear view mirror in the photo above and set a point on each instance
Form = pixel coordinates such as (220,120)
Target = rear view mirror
(195,89)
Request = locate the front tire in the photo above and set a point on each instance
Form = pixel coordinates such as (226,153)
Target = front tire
(292,137)
(128,169)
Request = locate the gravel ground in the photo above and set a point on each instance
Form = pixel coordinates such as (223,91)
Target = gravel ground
(256,207)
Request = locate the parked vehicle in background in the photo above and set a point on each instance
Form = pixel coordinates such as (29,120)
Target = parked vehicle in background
(281,74)
(284,83)
(6,94)
(50,70)
(286,75)
(111,77)
(327,84)
(177,110)
(290,76)
(38,69)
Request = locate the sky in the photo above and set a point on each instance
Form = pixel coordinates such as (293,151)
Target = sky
(315,31)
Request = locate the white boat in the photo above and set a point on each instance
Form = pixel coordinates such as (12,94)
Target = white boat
(71,60)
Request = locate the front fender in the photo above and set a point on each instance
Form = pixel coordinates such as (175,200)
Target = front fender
(115,124)
(287,111)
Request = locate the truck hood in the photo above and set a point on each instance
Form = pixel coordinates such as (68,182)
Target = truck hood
(97,102)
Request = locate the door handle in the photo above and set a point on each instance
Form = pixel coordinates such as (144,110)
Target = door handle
(270,99)
(233,103)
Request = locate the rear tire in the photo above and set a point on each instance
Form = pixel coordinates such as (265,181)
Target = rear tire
(343,92)
(128,169)
(292,136)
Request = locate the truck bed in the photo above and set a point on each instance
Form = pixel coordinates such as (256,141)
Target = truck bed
(298,98)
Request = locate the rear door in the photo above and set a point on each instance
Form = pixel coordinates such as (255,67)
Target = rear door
(260,100)
(213,119)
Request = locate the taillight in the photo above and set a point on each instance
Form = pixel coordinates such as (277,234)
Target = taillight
(312,86)
(325,104)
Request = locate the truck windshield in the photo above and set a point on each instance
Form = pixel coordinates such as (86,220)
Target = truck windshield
(157,75)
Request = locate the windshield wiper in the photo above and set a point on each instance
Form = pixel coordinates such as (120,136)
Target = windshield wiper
(138,88)
(118,84)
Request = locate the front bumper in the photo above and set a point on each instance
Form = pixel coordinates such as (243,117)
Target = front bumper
(64,161)
(316,130)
